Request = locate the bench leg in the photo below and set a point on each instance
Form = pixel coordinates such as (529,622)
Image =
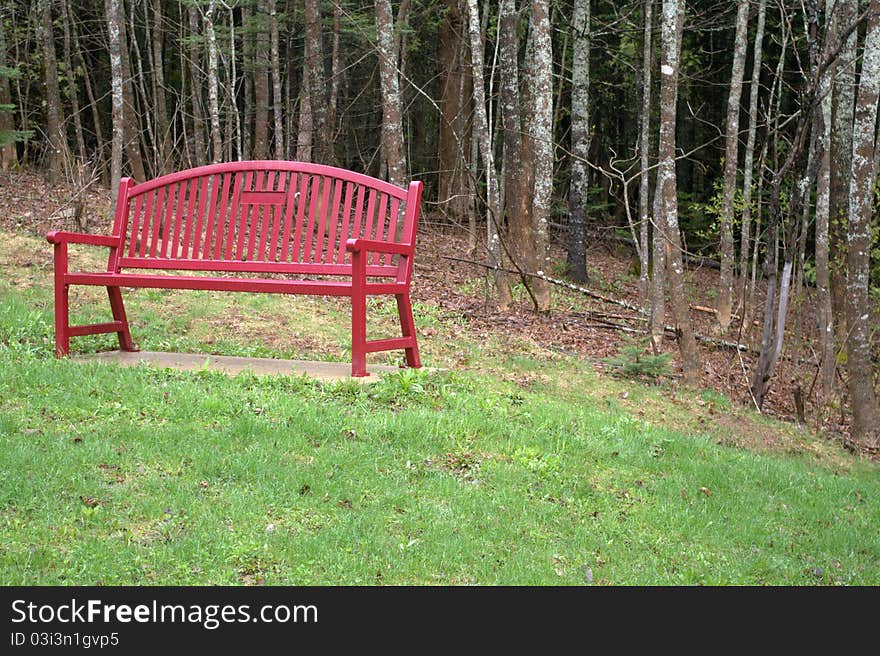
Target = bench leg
(408,329)
(359,335)
(118,308)
(62,320)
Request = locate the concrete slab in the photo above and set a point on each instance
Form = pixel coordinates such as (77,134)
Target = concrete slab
(233,365)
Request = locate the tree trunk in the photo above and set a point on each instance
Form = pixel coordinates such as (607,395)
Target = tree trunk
(131,122)
(261,85)
(842,104)
(195,83)
(277,108)
(392,122)
(518,165)
(542,125)
(58,154)
(825,316)
(673,17)
(481,124)
(8,153)
(731,158)
(645,151)
(866,414)
(163,126)
(749,156)
(116,82)
(322,151)
(305,127)
(578,193)
(455,107)
(335,73)
(71,88)
(213,84)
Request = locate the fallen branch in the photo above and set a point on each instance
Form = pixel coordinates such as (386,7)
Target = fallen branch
(554,281)
(715,341)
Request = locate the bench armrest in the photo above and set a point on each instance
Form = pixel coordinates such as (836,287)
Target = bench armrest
(61,237)
(356,245)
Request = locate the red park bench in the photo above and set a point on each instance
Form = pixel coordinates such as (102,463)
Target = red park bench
(259,226)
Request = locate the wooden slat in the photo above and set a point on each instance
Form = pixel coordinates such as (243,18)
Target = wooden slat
(276,217)
(346,218)
(300,216)
(200,216)
(243,217)
(378,226)
(254,225)
(178,218)
(266,212)
(222,218)
(190,217)
(169,215)
(355,231)
(314,199)
(135,223)
(158,215)
(328,254)
(324,212)
(233,215)
(145,224)
(288,216)
(391,230)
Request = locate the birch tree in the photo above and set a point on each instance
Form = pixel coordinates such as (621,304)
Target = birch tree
(484,138)
(824,314)
(749,155)
(213,83)
(645,149)
(111,8)
(392,121)
(731,158)
(578,193)
(542,125)
(277,108)
(863,399)
(672,23)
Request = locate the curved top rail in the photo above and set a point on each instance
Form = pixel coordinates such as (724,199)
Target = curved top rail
(271,165)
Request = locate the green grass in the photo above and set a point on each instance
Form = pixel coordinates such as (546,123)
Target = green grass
(529,469)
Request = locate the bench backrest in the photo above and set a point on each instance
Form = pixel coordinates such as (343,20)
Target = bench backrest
(263,216)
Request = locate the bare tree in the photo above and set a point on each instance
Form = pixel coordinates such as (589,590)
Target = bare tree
(672,22)
(314,66)
(195,83)
(392,121)
(213,83)
(455,104)
(749,155)
(277,108)
(645,150)
(58,154)
(580,142)
(8,154)
(261,84)
(484,137)
(542,125)
(863,399)
(731,158)
(111,8)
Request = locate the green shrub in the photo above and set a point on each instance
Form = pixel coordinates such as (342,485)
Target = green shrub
(635,360)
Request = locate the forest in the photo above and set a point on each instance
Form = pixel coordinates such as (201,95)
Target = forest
(737,135)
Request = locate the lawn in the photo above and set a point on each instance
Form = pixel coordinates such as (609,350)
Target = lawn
(530,468)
